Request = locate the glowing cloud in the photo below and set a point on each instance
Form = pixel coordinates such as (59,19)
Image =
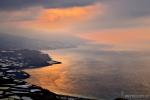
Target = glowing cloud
(65,17)
(131,37)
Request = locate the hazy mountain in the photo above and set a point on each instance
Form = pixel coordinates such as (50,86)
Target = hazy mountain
(8,41)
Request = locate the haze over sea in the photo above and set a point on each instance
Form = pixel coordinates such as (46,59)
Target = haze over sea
(95,70)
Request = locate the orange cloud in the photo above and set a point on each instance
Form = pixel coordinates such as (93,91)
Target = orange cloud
(57,15)
(65,17)
(128,37)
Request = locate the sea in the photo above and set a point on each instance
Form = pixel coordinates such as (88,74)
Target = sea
(95,71)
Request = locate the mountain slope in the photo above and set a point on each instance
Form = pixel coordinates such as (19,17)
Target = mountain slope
(8,41)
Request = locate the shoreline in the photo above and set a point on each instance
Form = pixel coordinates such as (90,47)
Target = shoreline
(12,76)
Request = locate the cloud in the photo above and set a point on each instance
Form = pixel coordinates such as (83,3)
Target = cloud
(120,14)
(81,16)
(15,16)
(21,4)
(129,8)
(53,19)
(131,38)
(63,18)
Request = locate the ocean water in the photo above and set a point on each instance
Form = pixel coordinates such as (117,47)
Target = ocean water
(95,71)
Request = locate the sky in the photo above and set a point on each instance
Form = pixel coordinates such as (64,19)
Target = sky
(120,23)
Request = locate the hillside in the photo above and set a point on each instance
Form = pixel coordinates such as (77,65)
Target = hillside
(9,41)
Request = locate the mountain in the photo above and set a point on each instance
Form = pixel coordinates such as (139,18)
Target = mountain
(8,41)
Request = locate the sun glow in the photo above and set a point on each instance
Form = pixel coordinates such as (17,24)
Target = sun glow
(61,18)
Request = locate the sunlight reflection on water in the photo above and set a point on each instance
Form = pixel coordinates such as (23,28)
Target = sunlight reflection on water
(95,72)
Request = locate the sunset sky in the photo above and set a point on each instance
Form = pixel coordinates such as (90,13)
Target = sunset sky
(120,23)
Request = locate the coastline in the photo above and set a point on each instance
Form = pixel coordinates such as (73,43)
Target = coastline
(12,80)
